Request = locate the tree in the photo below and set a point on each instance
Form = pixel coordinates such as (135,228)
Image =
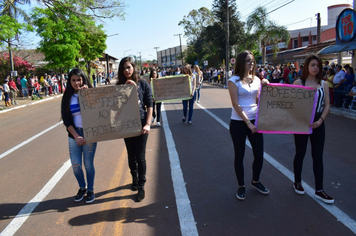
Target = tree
(93,44)
(22,67)
(65,42)
(10,8)
(268,32)
(195,23)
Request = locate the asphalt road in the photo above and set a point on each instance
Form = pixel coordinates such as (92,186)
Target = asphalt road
(191,183)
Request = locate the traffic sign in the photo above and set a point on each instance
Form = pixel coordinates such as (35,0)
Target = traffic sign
(233,60)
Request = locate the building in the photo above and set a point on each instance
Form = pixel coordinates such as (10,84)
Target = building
(171,57)
(305,41)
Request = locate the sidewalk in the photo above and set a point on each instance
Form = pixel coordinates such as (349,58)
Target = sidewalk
(351,114)
(28,101)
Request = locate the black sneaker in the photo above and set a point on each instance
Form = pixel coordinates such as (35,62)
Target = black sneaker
(298,188)
(134,185)
(240,194)
(183,119)
(324,197)
(141,194)
(80,195)
(262,189)
(90,197)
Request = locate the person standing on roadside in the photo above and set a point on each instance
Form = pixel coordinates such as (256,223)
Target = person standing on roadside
(24,87)
(13,90)
(79,150)
(312,77)
(136,146)
(6,93)
(244,92)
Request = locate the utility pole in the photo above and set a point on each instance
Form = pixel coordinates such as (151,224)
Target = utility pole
(140,61)
(10,54)
(227,60)
(181,51)
(156,54)
(318,28)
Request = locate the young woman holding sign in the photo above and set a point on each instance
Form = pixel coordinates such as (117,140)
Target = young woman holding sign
(244,90)
(79,150)
(312,76)
(136,146)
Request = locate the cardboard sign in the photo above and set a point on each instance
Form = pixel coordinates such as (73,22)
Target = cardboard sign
(286,109)
(110,112)
(171,88)
(146,77)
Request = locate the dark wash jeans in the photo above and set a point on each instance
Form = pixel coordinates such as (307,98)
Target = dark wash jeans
(238,132)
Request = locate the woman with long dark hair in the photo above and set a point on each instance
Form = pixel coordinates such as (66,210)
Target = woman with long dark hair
(79,150)
(312,77)
(136,146)
(244,89)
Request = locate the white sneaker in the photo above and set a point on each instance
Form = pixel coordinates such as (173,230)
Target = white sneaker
(158,124)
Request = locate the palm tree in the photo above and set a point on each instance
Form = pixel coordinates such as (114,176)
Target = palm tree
(10,8)
(267,31)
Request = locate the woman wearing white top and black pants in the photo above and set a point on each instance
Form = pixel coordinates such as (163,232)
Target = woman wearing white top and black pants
(244,89)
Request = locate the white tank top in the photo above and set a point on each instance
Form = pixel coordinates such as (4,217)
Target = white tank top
(247,95)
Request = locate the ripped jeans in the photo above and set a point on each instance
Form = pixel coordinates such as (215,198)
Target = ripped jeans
(76,153)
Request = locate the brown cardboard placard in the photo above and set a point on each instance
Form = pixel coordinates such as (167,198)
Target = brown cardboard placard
(110,112)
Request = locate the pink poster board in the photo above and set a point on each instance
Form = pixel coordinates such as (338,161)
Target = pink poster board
(286,109)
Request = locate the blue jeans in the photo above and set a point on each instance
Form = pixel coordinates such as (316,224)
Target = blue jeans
(76,153)
(198,93)
(185,107)
(24,92)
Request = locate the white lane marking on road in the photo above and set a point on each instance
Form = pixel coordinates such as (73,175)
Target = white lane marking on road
(28,140)
(25,212)
(334,210)
(185,214)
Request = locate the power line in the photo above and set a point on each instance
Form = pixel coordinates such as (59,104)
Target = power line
(280,6)
(299,21)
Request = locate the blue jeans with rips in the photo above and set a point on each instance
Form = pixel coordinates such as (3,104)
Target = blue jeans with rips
(86,153)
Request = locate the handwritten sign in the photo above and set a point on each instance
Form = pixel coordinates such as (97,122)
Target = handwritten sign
(110,112)
(286,109)
(171,88)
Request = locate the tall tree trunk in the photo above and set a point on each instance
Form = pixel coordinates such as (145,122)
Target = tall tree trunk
(10,53)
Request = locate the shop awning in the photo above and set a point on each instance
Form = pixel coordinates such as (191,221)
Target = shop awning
(339,48)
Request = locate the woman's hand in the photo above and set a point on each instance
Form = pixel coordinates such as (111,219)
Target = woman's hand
(80,140)
(146,129)
(131,82)
(264,82)
(83,87)
(316,124)
(252,127)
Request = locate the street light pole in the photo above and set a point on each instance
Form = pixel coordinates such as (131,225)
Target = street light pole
(126,51)
(181,52)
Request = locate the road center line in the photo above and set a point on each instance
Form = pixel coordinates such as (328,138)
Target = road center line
(334,210)
(29,140)
(185,214)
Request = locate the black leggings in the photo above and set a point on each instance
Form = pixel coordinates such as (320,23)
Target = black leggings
(317,140)
(238,132)
(136,151)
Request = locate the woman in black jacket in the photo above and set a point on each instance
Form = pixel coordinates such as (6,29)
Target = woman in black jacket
(78,148)
(136,146)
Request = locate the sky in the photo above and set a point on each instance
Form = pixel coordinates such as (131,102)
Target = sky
(150,24)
